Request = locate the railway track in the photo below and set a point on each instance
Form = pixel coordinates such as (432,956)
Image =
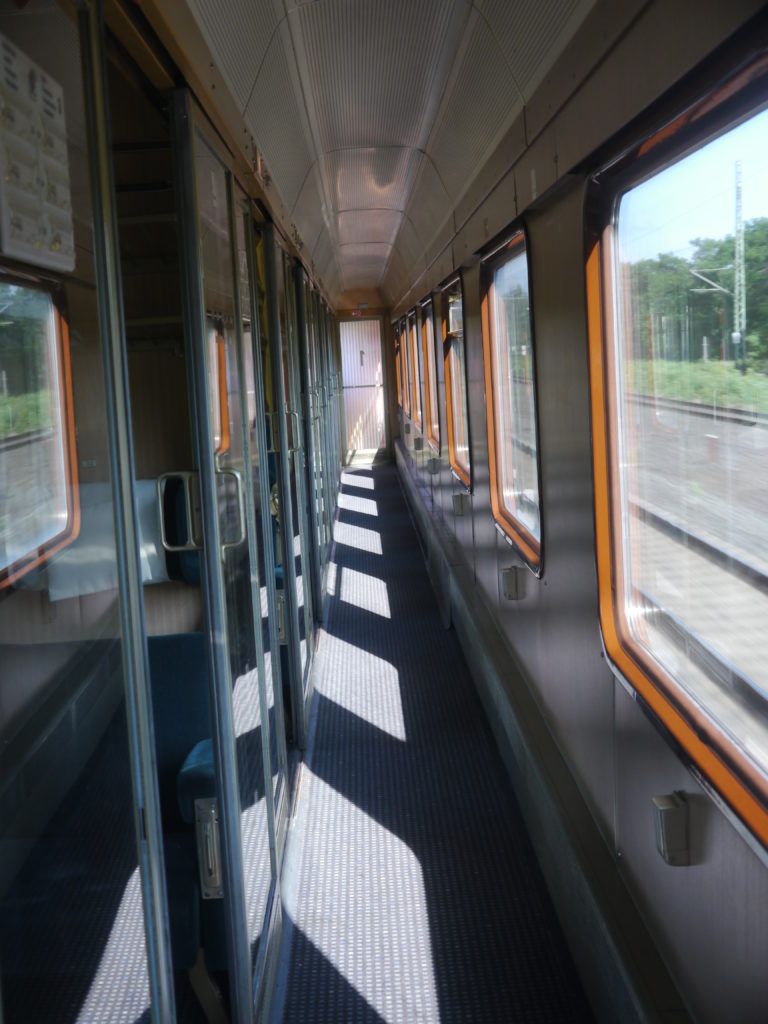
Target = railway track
(718,414)
(717,553)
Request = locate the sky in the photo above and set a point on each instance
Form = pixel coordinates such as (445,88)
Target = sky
(696,197)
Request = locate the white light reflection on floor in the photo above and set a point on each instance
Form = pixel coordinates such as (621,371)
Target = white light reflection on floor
(364,591)
(379,939)
(120,988)
(359,480)
(363,684)
(354,503)
(357,537)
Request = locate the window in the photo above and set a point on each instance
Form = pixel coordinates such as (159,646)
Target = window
(456,382)
(39,503)
(678,314)
(217,385)
(406,360)
(415,375)
(398,365)
(430,374)
(511,400)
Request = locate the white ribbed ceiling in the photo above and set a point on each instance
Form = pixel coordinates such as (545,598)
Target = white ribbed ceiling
(374,116)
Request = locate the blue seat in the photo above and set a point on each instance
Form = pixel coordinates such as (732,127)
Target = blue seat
(178,666)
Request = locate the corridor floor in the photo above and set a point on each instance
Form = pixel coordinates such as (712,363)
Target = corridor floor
(417,895)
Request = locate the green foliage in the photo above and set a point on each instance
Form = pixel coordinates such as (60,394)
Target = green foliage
(20,413)
(673,303)
(716,384)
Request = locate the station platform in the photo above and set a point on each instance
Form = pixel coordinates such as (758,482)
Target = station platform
(410,888)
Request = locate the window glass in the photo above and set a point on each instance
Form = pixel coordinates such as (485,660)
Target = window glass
(40,502)
(430,371)
(406,360)
(231,444)
(691,427)
(512,406)
(72,929)
(398,366)
(415,374)
(455,380)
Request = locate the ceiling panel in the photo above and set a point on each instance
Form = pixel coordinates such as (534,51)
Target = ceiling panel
(368,226)
(364,251)
(273,117)
(378,179)
(309,213)
(532,33)
(409,245)
(374,69)
(238,39)
(430,205)
(484,100)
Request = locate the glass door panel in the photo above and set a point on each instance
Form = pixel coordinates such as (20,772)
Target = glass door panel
(72,923)
(299,479)
(259,483)
(222,359)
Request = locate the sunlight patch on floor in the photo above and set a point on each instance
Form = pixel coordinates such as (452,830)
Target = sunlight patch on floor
(354,503)
(357,537)
(364,684)
(379,940)
(120,988)
(361,480)
(366,592)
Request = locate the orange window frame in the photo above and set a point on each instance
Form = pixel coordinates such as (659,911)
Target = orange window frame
(415,378)
(404,348)
(528,545)
(721,763)
(428,346)
(13,572)
(462,471)
(219,368)
(398,370)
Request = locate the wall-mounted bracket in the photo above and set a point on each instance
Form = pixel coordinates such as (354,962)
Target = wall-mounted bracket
(462,503)
(514,579)
(670,820)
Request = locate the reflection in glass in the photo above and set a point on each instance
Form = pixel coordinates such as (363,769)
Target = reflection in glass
(514,398)
(72,933)
(415,374)
(457,376)
(692,390)
(433,420)
(39,503)
(233,459)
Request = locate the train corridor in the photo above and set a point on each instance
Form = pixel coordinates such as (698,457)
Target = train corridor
(411,891)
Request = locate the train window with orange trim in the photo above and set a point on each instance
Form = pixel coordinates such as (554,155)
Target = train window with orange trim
(456,382)
(415,370)
(398,365)
(406,360)
(678,316)
(217,385)
(511,399)
(39,503)
(431,411)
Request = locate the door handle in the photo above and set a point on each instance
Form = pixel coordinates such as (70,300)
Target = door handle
(295,417)
(239,537)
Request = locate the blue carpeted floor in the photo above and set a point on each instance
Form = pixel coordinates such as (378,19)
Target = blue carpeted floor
(418,897)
